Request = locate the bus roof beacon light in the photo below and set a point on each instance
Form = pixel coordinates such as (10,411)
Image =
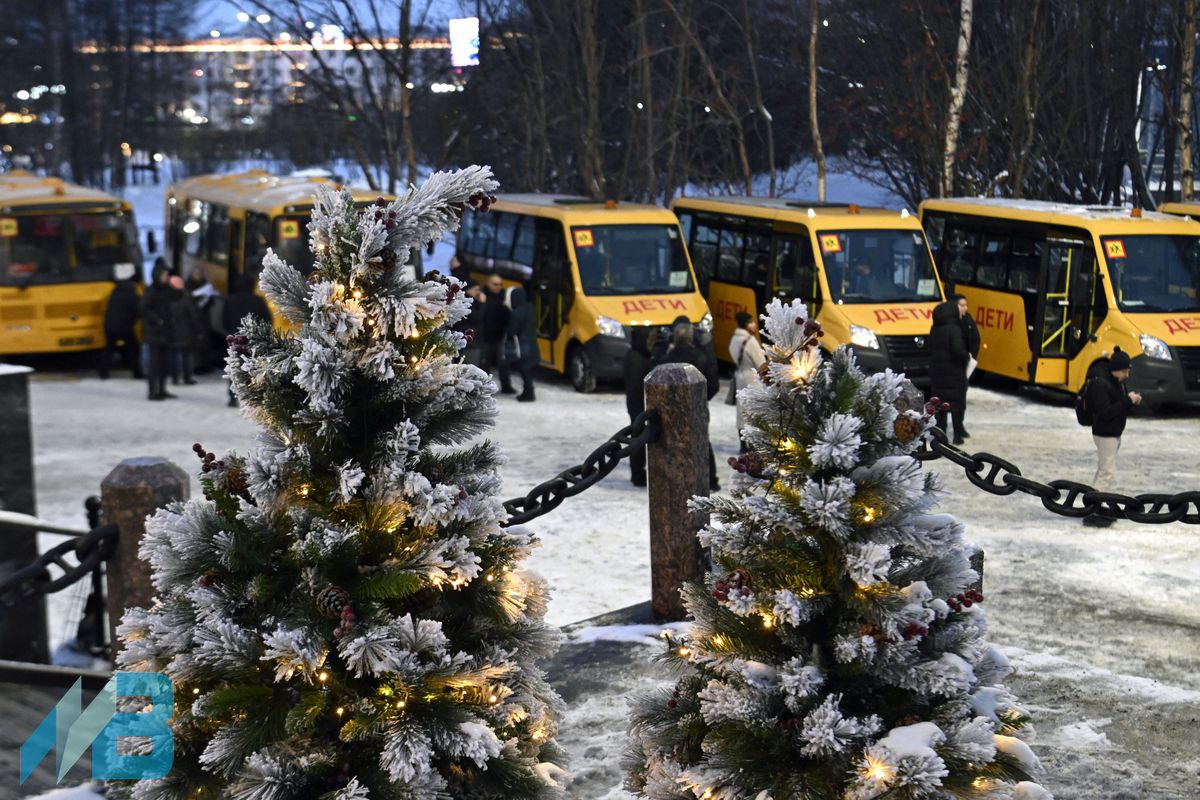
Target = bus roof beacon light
(811,213)
(1136,213)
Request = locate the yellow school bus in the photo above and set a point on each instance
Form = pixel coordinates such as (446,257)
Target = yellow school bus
(593,270)
(223,224)
(865,273)
(1056,287)
(62,248)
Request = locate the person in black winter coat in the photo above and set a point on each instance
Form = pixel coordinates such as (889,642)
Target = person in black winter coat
(636,367)
(522,353)
(971,334)
(1109,404)
(185,333)
(243,302)
(947,345)
(120,337)
(158,329)
(495,326)
(684,350)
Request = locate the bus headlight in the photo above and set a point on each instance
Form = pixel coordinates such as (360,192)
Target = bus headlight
(705,323)
(610,327)
(1155,347)
(863,337)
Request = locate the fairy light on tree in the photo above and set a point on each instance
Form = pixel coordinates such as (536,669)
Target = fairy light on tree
(326,600)
(835,650)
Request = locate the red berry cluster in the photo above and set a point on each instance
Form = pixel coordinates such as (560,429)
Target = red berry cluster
(964,600)
(747,464)
(913,630)
(389,218)
(481,202)
(736,583)
(347,624)
(208,461)
(935,405)
(674,701)
(238,344)
(469,334)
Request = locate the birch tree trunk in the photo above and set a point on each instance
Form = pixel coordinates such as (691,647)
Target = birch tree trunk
(958,95)
(814,123)
(1188,54)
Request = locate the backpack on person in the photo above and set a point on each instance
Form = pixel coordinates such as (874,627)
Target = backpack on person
(1083,412)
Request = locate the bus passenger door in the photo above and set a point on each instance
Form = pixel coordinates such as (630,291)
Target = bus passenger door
(236,251)
(550,285)
(1064,309)
(794,270)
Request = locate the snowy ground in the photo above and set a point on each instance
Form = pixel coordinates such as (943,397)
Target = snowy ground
(1103,627)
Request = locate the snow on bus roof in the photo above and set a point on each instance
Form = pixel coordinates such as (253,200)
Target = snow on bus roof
(1048,207)
(19,188)
(259,190)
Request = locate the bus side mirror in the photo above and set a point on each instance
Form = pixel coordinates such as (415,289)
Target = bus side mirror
(1093,338)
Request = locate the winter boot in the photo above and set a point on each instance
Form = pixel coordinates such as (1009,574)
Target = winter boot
(526,395)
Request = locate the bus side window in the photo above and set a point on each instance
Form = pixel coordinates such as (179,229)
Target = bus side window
(961,253)
(729,257)
(523,247)
(704,249)
(992,268)
(935,227)
(217,235)
(1024,264)
(506,233)
(756,260)
(550,272)
(794,268)
(485,231)
(258,239)
(193,228)
(685,225)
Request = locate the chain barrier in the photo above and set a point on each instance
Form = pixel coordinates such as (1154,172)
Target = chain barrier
(548,496)
(997,476)
(90,551)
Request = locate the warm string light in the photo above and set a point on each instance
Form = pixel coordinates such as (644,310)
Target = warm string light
(196,691)
(768,620)
(323,676)
(868,514)
(684,652)
(878,771)
(340,711)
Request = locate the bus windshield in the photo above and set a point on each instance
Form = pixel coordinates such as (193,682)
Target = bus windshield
(63,248)
(878,266)
(631,259)
(1154,273)
(291,242)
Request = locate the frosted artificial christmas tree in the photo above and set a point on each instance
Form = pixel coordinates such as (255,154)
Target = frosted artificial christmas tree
(342,614)
(835,651)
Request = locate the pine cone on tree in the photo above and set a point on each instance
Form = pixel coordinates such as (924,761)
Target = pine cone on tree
(331,600)
(907,428)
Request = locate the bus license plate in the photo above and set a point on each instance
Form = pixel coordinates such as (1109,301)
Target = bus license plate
(74,341)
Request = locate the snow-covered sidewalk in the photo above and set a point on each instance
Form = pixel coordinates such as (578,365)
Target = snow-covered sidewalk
(1102,626)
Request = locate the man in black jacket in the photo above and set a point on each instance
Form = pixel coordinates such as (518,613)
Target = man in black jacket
(947,346)
(158,328)
(1109,404)
(684,350)
(120,317)
(495,328)
(971,334)
(637,366)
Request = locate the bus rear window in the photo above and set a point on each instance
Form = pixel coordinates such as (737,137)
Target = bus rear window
(1154,273)
(631,259)
(58,248)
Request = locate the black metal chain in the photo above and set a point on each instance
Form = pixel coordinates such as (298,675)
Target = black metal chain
(1068,498)
(549,495)
(90,550)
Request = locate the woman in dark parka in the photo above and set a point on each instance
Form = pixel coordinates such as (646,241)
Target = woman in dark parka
(521,335)
(947,346)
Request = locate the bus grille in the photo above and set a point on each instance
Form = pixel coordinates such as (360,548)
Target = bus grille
(907,354)
(1189,362)
(74,310)
(22,313)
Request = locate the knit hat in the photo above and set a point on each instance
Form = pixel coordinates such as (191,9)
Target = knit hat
(1118,361)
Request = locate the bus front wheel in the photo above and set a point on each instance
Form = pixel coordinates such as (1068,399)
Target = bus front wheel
(579,367)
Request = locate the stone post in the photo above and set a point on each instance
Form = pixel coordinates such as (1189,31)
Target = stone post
(677,470)
(135,489)
(23,635)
